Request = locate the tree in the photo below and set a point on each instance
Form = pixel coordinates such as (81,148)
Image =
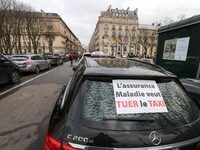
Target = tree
(169,20)
(19,16)
(34,29)
(147,39)
(12,18)
(7,41)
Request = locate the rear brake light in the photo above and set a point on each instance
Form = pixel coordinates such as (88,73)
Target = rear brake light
(198,147)
(28,63)
(67,147)
(53,144)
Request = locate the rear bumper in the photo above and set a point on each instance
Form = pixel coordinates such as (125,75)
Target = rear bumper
(160,147)
(28,68)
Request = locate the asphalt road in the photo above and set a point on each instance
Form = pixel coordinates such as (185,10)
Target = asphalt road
(25,111)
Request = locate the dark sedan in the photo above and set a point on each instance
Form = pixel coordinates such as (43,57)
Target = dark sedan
(54,59)
(9,72)
(122,104)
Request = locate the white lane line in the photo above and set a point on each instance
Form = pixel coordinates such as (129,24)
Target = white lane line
(26,82)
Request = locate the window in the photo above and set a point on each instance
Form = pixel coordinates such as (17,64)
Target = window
(113,35)
(97,103)
(36,57)
(106,32)
(19,58)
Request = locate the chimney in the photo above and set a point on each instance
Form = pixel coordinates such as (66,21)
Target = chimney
(136,11)
(109,8)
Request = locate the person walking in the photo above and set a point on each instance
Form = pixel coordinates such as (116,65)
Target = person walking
(71,57)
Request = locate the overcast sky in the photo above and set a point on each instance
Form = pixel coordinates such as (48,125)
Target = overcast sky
(81,15)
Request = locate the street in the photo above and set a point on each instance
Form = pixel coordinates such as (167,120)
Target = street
(25,111)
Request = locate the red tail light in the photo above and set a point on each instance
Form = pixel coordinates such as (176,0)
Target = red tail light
(28,63)
(68,147)
(53,144)
(198,147)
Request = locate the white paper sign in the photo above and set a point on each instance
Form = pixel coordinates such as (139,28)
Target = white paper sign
(182,48)
(138,96)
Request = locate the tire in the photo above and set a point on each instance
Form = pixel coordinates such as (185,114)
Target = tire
(14,77)
(57,63)
(49,66)
(37,69)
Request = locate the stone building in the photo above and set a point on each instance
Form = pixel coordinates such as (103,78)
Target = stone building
(58,36)
(119,33)
(40,32)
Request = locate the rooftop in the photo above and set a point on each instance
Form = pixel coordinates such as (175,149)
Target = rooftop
(120,13)
(122,67)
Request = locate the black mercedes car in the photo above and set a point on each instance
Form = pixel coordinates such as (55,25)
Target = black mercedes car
(9,72)
(123,104)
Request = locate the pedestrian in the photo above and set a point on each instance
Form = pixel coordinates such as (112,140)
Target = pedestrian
(71,57)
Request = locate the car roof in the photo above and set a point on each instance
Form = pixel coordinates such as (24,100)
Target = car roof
(122,67)
(26,55)
(192,85)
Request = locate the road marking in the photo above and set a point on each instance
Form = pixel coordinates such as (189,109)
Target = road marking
(26,82)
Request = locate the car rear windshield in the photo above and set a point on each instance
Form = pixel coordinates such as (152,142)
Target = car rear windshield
(96,103)
(19,58)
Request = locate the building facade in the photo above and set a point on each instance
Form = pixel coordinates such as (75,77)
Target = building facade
(118,33)
(39,32)
(58,36)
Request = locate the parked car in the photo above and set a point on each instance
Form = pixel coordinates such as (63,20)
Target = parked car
(122,104)
(9,72)
(30,63)
(193,87)
(54,59)
(99,54)
(64,58)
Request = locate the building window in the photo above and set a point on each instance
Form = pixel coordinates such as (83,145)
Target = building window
(119,48)
(113,27)
(120,27)
(106,32)
(113,35)
(126,28)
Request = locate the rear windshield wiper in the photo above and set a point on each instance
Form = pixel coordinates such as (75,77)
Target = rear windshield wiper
(128,119)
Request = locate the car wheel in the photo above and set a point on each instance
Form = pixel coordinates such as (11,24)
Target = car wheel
(49,66)
(14,77)
(37,69)
(57,63)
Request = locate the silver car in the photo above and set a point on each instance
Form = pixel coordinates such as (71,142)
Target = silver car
(30,63)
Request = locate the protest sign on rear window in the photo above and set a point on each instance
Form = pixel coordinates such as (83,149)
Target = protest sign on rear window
(138,96)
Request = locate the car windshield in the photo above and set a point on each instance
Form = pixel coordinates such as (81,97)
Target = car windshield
(96,102)
(19,58)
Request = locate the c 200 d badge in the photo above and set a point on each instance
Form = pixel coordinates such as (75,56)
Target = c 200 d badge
(79,138)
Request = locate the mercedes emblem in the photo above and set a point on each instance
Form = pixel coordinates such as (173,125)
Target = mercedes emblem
(155,138)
